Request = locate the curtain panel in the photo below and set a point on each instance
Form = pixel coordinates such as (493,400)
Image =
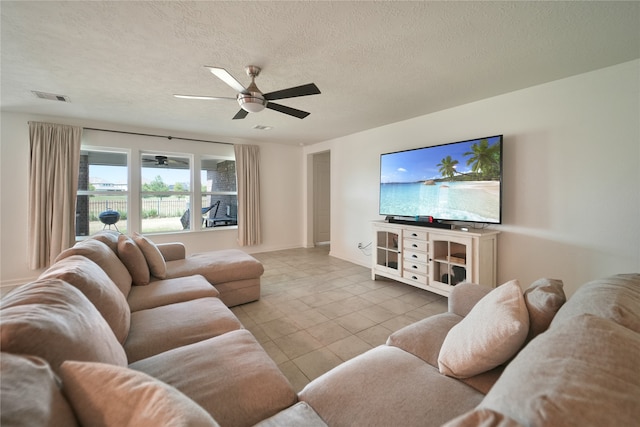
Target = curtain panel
(53,184)
(248,176)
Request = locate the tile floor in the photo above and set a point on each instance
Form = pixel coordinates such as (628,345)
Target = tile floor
(317,311)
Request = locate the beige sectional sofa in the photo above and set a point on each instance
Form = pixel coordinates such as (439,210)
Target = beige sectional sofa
(579,367)
(83,346)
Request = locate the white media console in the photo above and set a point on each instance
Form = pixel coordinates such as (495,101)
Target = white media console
(434,259)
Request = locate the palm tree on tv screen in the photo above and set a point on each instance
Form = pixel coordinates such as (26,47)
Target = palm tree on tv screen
(484,160)
(447,167)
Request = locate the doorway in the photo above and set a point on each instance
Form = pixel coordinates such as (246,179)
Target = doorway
(322,198)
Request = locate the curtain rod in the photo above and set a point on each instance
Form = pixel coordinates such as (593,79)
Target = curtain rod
(169,137)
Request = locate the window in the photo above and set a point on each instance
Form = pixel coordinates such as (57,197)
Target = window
(166,192)
(219,192)
(102,192)
(165,187)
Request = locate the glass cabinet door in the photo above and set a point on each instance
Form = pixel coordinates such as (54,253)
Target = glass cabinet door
(388,250)
(450,259)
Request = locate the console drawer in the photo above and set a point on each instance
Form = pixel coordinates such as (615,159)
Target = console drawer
(415,267)
(411,256)
(415,277)
(416,234)
(415,245)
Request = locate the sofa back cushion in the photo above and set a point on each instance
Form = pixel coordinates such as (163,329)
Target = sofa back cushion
(53,320)
(94,283)
(616,298)
(132,257)
(582,374)
(100,253)
(108,237)
(544,297)
(106,395)
(30,394)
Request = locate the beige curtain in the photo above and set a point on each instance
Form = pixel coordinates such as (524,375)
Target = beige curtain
(53,183)
(248,174)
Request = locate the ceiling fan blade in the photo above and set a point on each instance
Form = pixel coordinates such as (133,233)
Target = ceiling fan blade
(287,110)
(240,114)
(224,75)
(292,92)
(207,98)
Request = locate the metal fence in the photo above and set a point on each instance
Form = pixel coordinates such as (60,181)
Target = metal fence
(154,207)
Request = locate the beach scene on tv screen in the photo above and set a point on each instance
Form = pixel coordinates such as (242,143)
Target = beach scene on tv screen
(459,181)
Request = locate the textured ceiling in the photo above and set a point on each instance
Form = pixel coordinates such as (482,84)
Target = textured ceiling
(375,62)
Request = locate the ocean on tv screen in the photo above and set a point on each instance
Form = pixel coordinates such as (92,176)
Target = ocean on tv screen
(477,201)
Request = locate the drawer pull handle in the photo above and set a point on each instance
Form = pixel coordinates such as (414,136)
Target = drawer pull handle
(414,235)
(414,277)
(414,266)
(414,256)
(414,245)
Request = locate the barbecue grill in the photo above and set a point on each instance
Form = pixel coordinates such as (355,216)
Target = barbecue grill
(109,218)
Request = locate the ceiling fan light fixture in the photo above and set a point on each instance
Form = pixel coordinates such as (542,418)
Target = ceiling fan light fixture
(252,103)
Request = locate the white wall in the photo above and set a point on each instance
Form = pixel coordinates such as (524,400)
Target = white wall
(280,189)
(571,175)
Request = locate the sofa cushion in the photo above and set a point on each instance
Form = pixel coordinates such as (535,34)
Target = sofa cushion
(94,283)
(387,386)
(492,333)
(217,266)
(543,298)
(132,257)
(108,237)
(424,338)
(107,395)
(300,414)
(155,260)
(30,394)
(482,417)
(54,320)
(242,385)
(100,253)
(582,374)
(616,298)
(169,291)
(464,296)
(162,328)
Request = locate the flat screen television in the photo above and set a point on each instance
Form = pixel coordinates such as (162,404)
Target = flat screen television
(459,181)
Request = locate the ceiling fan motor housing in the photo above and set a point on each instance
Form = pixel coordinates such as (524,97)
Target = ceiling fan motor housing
(252,102)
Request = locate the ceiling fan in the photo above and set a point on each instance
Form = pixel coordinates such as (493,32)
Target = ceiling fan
(252,100)
(163,161)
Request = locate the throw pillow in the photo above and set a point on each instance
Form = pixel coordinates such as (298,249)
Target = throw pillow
(107,395)
(30,394)
(132,257)
(155,260)
(492,332)
(54,320)
(544,297)
(94,283)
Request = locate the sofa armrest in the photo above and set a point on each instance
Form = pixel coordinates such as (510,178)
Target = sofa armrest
(464,296)
(172,251)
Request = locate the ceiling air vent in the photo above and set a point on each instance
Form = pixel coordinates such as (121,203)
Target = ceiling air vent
(51,96)
(262,127)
